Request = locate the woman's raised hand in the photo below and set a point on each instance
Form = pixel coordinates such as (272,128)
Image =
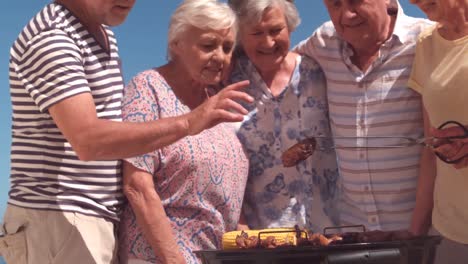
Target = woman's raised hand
(222,107)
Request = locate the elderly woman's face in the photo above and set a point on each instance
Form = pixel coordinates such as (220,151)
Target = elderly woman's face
(442,10)
(205,54)
(360,22)
(267,42)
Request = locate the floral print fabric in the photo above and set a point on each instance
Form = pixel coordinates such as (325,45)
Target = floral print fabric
(200,179)
(307,193)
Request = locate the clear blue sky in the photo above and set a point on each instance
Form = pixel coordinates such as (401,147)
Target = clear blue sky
(142,41)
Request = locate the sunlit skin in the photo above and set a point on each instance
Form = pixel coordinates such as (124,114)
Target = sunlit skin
(452,15)
(364,24)
(97,12)
(201,58)
(94,13)
(267,44)
(205,54)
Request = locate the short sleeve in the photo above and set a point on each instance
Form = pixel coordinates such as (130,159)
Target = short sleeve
(51,69)
(308,46)
(140,104)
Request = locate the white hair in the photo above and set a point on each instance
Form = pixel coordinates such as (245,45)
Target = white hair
(202,14)
(249,11)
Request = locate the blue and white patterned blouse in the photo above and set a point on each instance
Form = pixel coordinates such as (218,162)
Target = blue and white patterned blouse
(276,196)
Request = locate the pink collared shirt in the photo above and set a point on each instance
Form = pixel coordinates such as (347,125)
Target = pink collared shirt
(378,185)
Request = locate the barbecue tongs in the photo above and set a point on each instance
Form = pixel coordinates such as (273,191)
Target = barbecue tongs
(305,148)
(365,142)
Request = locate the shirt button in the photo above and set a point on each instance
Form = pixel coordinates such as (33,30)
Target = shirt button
(373,219)
(366,188)
(362,156)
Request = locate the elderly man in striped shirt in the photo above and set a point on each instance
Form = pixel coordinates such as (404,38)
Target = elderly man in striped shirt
(366,52)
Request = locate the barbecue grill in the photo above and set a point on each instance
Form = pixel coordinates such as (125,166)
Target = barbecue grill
(420,250)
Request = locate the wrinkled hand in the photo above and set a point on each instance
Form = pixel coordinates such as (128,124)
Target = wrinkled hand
(454,150)
(222,107)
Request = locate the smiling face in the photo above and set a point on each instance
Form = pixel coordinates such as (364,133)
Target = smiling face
(360,22)
(267,42)
(204,54)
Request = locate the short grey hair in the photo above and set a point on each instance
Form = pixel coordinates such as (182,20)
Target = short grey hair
(249,11)
(202,14)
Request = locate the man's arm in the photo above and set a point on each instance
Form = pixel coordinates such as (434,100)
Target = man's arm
(150,214)
(96,139)
(305,47)
(308,47)
(422,214)
(56,79)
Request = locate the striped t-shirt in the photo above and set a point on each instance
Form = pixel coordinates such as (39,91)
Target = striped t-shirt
(378,185)
(55,58)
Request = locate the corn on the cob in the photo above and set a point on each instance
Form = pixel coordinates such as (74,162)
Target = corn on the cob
(229,239)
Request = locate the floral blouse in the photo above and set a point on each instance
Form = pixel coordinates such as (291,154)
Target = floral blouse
(276,196)
(200,179)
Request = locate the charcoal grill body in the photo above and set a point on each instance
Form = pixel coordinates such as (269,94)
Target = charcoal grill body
(415,251)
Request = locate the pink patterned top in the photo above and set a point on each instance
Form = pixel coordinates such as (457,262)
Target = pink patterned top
(200,179)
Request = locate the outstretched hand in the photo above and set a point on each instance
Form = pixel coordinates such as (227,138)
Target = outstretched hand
(222,107)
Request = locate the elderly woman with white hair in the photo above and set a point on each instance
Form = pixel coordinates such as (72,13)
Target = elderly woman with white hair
(290,106)
(184,196)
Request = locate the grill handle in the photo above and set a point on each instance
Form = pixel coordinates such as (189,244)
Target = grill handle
(373,256)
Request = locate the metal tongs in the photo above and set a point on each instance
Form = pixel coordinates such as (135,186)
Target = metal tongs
(404,142)
(431,142)
(306,147)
